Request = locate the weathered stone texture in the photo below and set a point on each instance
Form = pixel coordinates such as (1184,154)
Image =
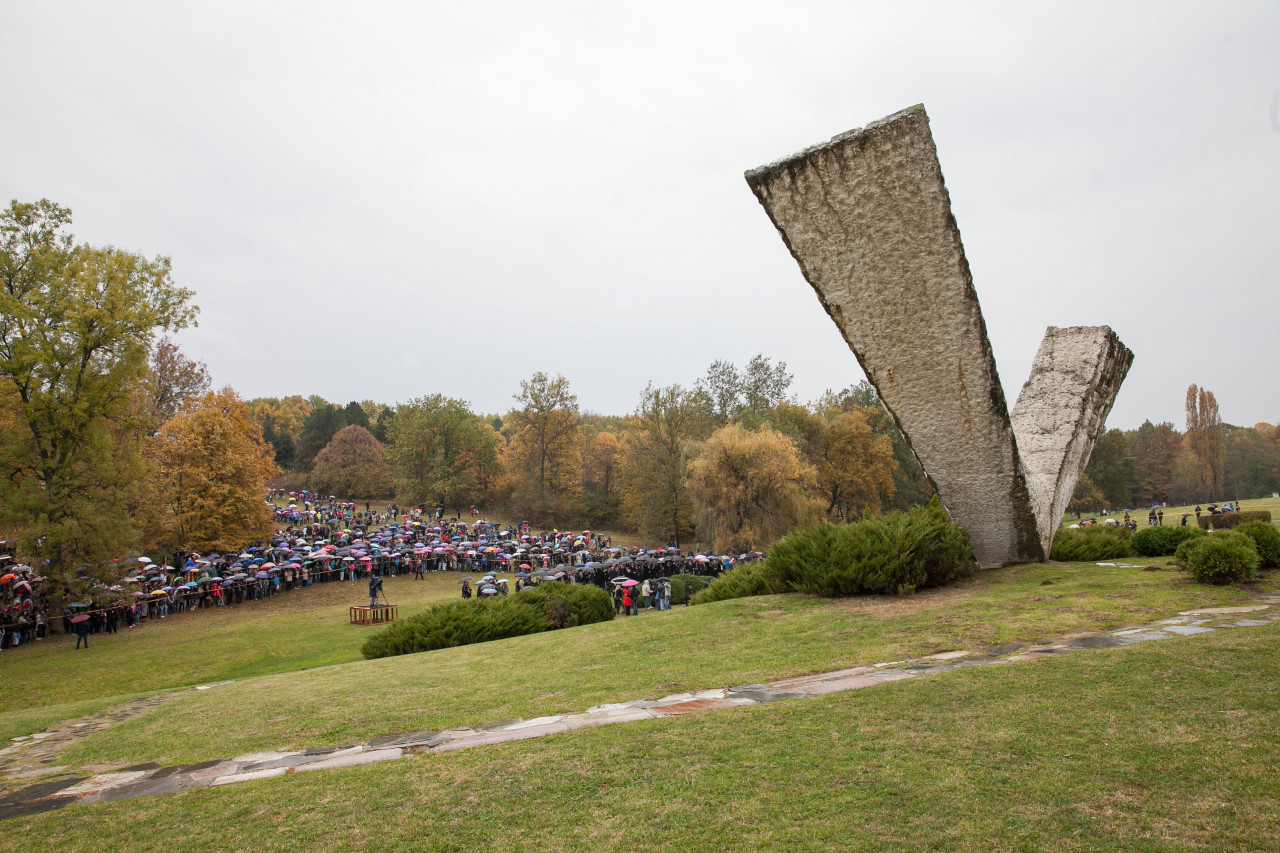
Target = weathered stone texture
(1062,411)
(868,218)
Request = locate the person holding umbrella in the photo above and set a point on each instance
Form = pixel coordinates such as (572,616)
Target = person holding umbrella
(81,624)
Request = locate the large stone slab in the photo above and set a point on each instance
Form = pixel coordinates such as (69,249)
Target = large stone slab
(1062,411)
(868,219)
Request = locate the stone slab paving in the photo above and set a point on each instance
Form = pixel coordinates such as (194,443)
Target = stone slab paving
(106,783)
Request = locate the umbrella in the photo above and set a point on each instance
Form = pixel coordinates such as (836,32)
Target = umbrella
(522,574)
(158,592)
(7,578)
(525,566)
(262,575)
(83,617)
(166,589)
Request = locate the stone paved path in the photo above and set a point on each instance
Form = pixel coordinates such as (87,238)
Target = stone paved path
(34,757)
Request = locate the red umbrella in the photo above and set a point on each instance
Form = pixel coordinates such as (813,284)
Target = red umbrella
(83,617)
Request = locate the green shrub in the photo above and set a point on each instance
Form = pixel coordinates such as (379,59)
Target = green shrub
(1266,539)
(1086,544)
(896,553)
(568,605)
(1162,541)
(697,583)
(1230,520)
(460,623)
(741,582)
(1220,558)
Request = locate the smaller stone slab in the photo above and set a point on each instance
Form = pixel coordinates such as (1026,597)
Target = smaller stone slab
(492,738)
(352,759)
(1133,637)
(1188,630)
(851,683)
(534,723)
(692,706)
(141,788)
(39,791)
(269,773)
(1224,611)
(1095,641)
(1250,623)
(1005,648)
(94,784)
(607,718)
(35,807)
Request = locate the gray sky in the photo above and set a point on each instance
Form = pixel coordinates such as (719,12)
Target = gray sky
(384,200)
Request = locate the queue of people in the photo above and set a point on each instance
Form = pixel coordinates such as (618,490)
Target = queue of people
(327,541)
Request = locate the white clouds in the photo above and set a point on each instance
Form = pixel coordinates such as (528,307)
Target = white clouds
(508,187)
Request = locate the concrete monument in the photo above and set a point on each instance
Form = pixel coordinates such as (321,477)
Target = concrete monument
(868,219)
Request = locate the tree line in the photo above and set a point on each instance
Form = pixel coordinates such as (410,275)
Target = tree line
(111,439)
(1208,460)
(730,461)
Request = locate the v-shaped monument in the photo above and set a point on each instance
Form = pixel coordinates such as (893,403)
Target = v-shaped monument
(868,219)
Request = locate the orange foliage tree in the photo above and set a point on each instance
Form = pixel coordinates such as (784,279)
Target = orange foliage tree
(210,473)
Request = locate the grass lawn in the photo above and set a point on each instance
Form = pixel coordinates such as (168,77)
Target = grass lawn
(728,643)
(1163,746)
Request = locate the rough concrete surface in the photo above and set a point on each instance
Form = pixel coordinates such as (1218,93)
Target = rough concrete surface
(1062,412)
(868,218)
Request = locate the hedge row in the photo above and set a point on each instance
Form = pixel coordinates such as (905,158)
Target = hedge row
(1231,520)
(896,553)
(546,607)
(1086,544)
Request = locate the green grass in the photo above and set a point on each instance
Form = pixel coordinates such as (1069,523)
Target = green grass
(727,643)
(302,629)
(1160,747)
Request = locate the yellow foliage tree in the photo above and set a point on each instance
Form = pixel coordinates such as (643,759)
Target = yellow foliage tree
(749,487)
(210,473)
(854,465)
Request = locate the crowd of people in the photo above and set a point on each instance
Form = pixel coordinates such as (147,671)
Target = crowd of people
(324,540)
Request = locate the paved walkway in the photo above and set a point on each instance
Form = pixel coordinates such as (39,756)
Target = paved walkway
(62,786)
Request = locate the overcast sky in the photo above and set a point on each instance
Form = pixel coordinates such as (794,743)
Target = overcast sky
(385,200)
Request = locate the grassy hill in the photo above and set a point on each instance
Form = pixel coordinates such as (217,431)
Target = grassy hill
(1155,747)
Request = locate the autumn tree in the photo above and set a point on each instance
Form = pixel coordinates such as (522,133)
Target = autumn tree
(544,449)
(1250,466)
(655,454)
(854,466)
(748,487)
(172,381)
(442,454)
(911,487)
(76,329)
(211,469)
(599,503)
(353,464)
(1205,441)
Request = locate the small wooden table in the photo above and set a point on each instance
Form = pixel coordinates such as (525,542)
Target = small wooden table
(377,615)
